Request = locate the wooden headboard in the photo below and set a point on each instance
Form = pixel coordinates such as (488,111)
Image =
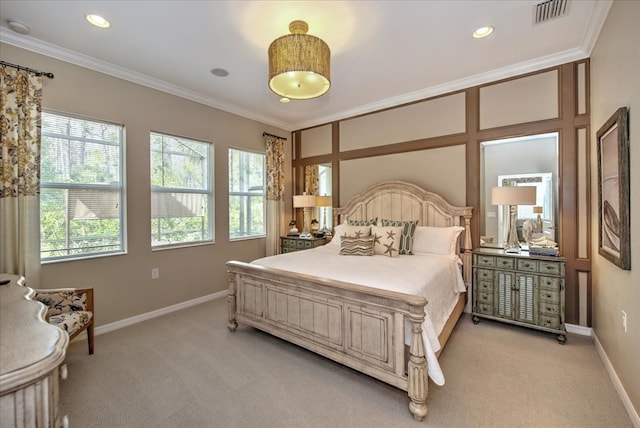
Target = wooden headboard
(400,200)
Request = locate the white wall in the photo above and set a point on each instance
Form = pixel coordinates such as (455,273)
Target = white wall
(615,83)
(122,284)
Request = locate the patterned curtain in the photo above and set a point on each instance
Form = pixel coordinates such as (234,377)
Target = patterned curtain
(20,108)
(311,179)
(312,186)
(275,191)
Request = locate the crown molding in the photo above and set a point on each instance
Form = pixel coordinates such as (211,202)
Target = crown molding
(456,85)
(62,54)
(596,21)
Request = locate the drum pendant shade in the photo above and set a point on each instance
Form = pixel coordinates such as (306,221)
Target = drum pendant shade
(299,64)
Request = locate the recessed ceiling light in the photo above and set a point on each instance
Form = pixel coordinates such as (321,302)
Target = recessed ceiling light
(482,32)
(18,27)
(98,21)
(220,72)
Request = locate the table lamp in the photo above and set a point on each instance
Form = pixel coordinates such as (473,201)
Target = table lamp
(324,202)
(513,196)
(305,202)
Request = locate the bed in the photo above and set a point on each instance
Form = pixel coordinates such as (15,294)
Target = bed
(375,321)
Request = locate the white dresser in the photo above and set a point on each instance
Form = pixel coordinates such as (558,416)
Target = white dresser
(31,352)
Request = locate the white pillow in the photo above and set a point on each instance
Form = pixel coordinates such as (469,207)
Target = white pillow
(436,240)
(338,231)
(387,240)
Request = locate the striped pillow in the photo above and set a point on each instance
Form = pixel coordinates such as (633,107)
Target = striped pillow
(409,228)
(356,246)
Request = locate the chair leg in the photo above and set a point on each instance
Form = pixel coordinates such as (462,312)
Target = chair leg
(90,338)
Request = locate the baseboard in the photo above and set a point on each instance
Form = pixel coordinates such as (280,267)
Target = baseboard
(633,414)
(157,313)
(579,329)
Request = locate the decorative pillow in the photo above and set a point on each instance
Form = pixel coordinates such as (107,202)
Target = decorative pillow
(371,222)
(356,231)
(436,240)
(356,246)
(387,240)
(409,228)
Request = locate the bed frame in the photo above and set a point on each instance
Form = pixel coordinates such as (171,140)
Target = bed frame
(360,327)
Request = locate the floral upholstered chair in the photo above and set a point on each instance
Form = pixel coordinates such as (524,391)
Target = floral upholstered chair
(71,309)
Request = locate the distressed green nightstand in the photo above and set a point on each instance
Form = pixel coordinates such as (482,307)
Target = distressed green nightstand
(289,244)
(519,289)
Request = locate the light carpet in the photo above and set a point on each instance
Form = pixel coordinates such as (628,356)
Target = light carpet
(186,369)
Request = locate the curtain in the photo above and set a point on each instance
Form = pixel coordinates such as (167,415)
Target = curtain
(312,186)
(20,108)
(275,191)
(312,179)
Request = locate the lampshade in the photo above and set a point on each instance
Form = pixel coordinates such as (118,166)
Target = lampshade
(304,201)
(299,64)
(537,210)
(324,201)
(513,195)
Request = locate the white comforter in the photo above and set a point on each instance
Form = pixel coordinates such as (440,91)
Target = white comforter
(435,277)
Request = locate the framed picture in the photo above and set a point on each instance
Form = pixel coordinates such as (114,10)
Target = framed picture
(613,190)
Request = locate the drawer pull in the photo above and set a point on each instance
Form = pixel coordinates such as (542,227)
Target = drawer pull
(527,265)
(547,295)
(549,267)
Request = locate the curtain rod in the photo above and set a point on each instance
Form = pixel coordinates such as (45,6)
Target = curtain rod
(271,135)
(30,70)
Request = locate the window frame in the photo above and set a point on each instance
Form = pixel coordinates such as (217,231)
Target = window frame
(121,187)
(209,193)
(247,194)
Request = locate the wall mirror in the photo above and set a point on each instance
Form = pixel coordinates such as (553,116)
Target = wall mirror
(317,181)
(522,161)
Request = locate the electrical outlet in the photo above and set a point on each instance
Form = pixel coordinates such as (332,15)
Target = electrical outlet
(624,321)
(155,273)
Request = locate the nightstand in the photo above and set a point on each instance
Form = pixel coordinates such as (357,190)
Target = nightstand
(519,289)
(289,244)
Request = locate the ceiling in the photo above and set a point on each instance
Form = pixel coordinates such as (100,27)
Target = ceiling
(383,53)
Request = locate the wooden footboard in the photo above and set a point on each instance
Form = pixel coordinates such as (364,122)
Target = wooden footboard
(357,326)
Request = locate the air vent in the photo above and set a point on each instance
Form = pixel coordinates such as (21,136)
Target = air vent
(550,9)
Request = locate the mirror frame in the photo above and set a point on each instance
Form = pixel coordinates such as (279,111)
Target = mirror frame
(531,163)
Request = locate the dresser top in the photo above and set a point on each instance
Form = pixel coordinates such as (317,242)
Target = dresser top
(302,239)
(523,255)
(29,346)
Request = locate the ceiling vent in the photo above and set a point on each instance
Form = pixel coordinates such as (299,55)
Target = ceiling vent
(549,10)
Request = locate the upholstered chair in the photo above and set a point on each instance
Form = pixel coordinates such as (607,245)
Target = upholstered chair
(71,309)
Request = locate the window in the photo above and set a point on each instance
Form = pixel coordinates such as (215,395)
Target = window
(81,196)
(246,194)
(181,191)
